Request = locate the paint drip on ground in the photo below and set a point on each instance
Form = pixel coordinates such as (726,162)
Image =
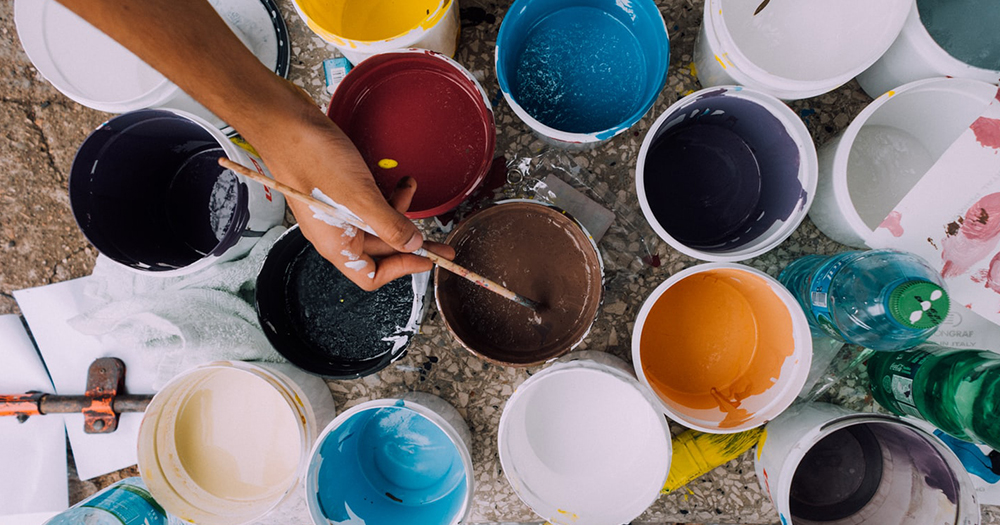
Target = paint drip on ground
(341,321)
(537,252)
(369,20)
(715,338)
(580,71)
(966,29)
(387,466)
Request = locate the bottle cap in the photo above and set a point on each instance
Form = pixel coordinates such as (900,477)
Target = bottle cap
(919,304)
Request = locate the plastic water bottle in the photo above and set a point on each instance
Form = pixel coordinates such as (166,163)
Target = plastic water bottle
(955,389)
(880,299)
(127,502)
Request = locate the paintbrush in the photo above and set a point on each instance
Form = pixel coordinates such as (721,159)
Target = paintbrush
(350,218)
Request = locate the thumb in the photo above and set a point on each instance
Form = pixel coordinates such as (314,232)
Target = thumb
(392,226)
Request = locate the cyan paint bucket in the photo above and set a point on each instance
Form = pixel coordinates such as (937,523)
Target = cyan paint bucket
(726,174)
(583,443)
(770,47)
(323,323)
(392,461)
(867,169)
(822,463)
(362,28)
(147,191)
(724,347)
(941,38)
(579,72)
(227,442)
(420,114)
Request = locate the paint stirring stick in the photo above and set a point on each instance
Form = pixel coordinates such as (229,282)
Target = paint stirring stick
(349,218)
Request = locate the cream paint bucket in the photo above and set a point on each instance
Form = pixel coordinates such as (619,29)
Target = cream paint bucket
(362,28)
(917,55)
(583,443)
(724,347)
(866,170)
(774,51)
(821,463)
(226,442)
(392,461)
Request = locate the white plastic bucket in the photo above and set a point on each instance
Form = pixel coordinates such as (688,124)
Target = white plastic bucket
(392,461)
(92,69)
(724,347)
(777,52)
(226,442)
(362,28)
(147,191)
(759,184)
(867,169)
(824,463)
(916,55)
(582,442)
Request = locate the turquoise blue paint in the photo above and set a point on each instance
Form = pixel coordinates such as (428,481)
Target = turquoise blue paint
(583,66)
(968,30)
(390,466)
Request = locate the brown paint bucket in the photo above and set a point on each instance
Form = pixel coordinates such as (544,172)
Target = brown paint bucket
(538,251)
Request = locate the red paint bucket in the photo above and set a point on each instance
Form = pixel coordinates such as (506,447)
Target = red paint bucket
(420,114)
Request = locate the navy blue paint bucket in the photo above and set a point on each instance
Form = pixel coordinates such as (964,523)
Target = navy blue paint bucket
(579,72)
(147,191)
(725,174)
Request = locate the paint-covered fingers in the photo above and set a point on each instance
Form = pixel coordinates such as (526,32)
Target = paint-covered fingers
(388,222)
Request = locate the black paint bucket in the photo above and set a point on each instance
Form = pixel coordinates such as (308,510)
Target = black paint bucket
(147,191)
(323,323)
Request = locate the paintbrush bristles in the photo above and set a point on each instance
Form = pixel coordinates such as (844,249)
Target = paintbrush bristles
(309,200)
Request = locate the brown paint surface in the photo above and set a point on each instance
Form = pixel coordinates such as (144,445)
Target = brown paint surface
(714,339)
(533,250)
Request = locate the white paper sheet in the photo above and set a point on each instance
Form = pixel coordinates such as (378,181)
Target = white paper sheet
(68,355)
(33,453)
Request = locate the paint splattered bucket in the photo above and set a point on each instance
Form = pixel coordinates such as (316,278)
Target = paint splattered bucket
(226,442)
(724,347)
(726,174)
(772,47)
(420,114)
(323,323)
(392,461)
(535,250)
(147,191)
(91,68)
(583,443)
(362,28)
(579,72)
(867,169)
(940,38)
(824,463)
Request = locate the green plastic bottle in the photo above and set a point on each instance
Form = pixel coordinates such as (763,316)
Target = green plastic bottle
(956,389)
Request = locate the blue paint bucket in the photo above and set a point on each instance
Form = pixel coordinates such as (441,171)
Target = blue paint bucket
(581,71)
(392,461)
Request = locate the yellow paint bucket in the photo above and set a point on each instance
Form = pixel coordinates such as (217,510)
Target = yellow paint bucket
(361,28)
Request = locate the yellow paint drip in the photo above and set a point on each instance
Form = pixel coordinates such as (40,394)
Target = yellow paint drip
(694,69)
(889,93)
(387,164)
(760,442)
(372,20)
(721,63)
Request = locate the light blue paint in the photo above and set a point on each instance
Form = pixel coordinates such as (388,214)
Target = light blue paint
(387,466)
(968,30)
(583,66)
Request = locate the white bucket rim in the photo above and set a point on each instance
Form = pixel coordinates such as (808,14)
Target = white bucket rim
(802,352)
(575,362)
(440,421)
(808,174)
(404,39)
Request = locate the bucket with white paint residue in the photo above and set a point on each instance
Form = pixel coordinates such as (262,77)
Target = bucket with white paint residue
(822,463)
(227,442)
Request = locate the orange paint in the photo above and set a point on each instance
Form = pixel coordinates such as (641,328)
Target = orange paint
(714,339)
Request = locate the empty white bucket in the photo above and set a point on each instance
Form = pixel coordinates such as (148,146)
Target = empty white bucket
(866,170)
(917,55)
(777,51)
(582,442)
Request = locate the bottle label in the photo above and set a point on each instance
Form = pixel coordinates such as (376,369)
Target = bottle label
(819,296)
(902,391)
(131,505)
(897,383)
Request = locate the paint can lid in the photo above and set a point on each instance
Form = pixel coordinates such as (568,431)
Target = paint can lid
(919,304)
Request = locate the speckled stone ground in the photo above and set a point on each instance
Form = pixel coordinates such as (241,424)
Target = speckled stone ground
(40,244)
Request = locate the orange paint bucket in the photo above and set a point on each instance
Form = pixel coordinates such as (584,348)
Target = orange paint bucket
(725,347)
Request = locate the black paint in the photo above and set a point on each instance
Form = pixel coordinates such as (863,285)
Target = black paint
(838,476)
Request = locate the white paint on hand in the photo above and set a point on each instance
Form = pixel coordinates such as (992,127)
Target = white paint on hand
(371,275)
(356,265)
